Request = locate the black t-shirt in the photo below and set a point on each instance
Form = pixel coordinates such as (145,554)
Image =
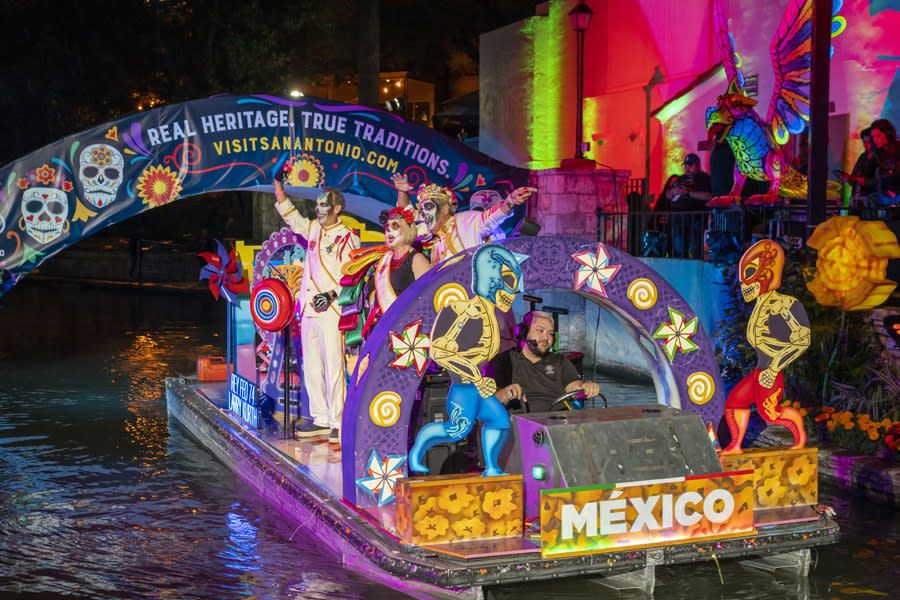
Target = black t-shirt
(542,382)
(698,182)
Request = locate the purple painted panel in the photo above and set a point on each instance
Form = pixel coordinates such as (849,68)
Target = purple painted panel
(634,291)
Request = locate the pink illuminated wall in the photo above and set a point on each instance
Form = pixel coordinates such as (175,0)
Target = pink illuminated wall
(533,76)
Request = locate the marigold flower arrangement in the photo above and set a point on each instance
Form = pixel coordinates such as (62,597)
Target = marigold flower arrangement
(858,431)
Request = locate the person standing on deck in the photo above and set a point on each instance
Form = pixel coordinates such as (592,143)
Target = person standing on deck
(329,245)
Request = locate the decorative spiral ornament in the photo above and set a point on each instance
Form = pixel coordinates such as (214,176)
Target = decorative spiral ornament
(642,293)
(701,387)
(272,304)
(384,410)
(447,293)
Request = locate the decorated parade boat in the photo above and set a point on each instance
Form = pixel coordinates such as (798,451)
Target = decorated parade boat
(610,492)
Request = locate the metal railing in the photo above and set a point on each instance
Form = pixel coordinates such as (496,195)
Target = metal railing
(715,234)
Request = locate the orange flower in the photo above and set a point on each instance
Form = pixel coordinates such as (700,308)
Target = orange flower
(830,425)
(432,527)
(499,503)
(770,492)
(800,471)
(455,498)
(468,529)
(852,263)
(45,174)
(873,434)
(158,186)
(849,425)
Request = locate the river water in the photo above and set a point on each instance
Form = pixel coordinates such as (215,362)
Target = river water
(101,496)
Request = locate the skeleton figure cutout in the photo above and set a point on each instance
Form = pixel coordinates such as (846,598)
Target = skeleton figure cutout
(779,331)
(45,213)
(100,172)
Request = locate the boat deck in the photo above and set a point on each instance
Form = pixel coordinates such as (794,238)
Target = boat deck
(303,478)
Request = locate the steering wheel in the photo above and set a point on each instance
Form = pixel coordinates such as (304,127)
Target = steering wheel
(574,401)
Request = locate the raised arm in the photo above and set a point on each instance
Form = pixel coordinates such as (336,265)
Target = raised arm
(490,219)
(289,213)
(403,189)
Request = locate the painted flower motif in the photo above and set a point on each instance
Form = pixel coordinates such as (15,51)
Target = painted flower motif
(426,509)
(23,183)
(793,497)
(773,467)
(383,474)
(45,174)
(411,348)
(852,263)
(770,492)
(432,527)
(800,471)
(158,185)
(455,498)
(594,271)
(469,529)
(677,334)
(498,503)
(101,156)
(307,172)
(67,186)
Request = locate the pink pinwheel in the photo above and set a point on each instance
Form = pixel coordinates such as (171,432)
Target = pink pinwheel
(224,273)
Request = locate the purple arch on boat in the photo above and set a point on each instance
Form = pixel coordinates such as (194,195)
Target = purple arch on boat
(680,354)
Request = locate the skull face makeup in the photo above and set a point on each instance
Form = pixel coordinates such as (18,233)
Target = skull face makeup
(428,214)
(100,172)
(324,210)
(392,234)
(45,213)
(431,200)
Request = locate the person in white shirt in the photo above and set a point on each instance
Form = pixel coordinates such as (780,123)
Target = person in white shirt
(329,243)
(448,232)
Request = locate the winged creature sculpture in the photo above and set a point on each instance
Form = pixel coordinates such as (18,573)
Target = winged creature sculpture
(757,143)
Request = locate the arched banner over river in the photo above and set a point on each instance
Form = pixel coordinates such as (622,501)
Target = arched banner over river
(66,191)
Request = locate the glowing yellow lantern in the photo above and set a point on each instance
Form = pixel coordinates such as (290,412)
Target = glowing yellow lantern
(852,263)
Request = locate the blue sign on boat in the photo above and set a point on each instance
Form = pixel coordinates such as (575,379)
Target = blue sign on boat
(243,400)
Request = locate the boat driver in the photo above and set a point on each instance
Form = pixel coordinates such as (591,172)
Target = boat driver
(531,373)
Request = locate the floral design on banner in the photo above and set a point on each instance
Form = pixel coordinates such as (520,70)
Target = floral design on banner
(677,334)
(383,474)
(307,172)
(594,271)
(158,186)
(411,348)
(45,175)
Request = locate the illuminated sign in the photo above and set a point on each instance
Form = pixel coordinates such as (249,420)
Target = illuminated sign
(243,400)
(608,518)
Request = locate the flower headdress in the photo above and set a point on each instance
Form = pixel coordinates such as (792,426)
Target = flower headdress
(404,212)
(45,176)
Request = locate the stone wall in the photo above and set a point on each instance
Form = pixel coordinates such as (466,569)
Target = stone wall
(567,201)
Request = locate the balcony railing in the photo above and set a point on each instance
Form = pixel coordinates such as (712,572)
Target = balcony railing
(716,235)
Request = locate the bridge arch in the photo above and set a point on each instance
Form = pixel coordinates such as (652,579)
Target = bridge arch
(681,356)
(69,190)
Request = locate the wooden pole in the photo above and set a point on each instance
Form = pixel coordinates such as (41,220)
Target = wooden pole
(817,173)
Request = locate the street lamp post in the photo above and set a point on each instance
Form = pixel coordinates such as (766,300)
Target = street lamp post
(655,80)
(581,20)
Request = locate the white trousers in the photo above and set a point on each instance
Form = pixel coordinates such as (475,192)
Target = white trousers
(323,367)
